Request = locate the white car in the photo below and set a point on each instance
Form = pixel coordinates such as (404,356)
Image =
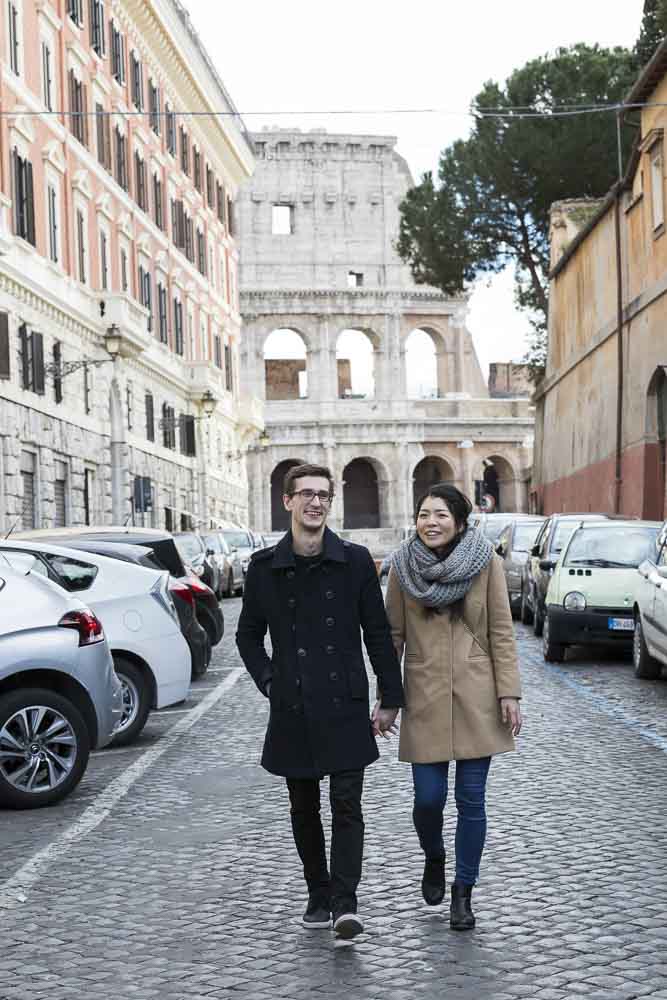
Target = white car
(150,655)
(649,650)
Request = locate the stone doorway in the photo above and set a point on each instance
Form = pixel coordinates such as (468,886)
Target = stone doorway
(361,502)
(280,518)
(429,471)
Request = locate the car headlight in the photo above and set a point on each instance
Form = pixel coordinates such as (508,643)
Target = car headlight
(574,601)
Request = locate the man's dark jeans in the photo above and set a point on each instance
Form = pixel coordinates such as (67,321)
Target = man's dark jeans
(347,837)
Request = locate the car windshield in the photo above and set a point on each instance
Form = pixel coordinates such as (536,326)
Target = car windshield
(613,547)
(189,546)
(212,542)
(562,535)
(238,539)
(525,534)
(493,529)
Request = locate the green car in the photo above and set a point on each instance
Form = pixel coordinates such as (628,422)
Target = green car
(592,592)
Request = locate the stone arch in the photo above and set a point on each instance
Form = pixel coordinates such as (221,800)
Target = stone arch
(507,482)
(356,355)
(280,518)
(430,470)
(655,451)
(438,360)
(285,351)
(365,493)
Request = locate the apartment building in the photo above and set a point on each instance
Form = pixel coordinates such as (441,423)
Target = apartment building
(121,155)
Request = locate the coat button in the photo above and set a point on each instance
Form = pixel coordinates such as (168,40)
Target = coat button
(330,622)
(333,676)
(301,651)
(291,603)
(329,594)
(293,628)
(290,574)
(298,682)
(329,650)
(337,702)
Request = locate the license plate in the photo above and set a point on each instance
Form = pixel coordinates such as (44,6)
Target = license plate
(621,624)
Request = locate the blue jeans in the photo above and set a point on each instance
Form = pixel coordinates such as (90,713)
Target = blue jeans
(430,781)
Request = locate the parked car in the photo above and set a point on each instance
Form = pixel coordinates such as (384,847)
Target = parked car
(163,547)
(200,558)
(182,595)
(550,542)
(228,563)
(149,652)
(272,538)
(649,650)
(513,546)
(59,695)
(593,589)
(239,540)
(492,525)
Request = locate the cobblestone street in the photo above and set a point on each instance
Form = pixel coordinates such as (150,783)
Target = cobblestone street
(171,872)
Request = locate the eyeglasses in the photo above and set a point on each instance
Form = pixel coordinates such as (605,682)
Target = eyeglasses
(308,495)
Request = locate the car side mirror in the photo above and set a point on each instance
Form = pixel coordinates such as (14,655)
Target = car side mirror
(547,565)
(500,550)
(210,552)
(535,551)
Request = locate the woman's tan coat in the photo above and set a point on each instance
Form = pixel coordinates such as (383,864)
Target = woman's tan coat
(455,671)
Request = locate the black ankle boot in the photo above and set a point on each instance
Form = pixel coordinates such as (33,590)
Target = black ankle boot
(461,917)
(433,881)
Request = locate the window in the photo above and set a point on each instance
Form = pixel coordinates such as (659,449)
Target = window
(123,270)
(220,201)
(170,122)
(24,199)
(5,360)
(178,224)
(129,404)
(150,417)
(168,426)
(104,261)
(162,312)
(185,151)
(52,212)
(196,168)
(117,54)
(121,158)
(158,202)
(282,220)
(657,186)
(88,495)
(201,252)
(141,191)
(97,39)
(146,294)
(355,279)
(154,106)
(57,372)
(75,11)
(217,351)
(81,244)
(187,434)
(189,238)
(60,495)
(210,187)
(229,379)
(137,82)
(178,327)
(231,226)
(29,504)
(86,389)
(103,129)
(14,37)
(78,105)
(47,76)
(31,359)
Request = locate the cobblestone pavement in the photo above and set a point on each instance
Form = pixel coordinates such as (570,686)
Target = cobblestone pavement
(185,883)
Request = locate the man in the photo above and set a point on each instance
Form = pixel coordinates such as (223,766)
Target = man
(315,593)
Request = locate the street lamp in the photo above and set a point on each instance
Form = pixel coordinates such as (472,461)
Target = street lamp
(112,341)
(61,369)
(208,404)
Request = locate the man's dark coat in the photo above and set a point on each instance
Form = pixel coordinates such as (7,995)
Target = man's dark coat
(319,719)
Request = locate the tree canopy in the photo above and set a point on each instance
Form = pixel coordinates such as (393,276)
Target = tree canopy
(653,29)
(490,205)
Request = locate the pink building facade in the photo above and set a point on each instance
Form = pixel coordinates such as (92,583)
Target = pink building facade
(119,306)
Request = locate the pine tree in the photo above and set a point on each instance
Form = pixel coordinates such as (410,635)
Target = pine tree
(653,29)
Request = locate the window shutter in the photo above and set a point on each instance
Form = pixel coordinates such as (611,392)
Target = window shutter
(30,204)
(25,356)
(107,142)
(84,113)
(57,377)
(190,442)
(72,100)
(5,366)
(38,363)
(150,417)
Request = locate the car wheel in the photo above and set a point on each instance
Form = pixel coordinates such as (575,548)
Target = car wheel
(554,652)
(538,618)
(229,589)
(239,590)
(136,701)
(526,613)
(646,666)
(44,748)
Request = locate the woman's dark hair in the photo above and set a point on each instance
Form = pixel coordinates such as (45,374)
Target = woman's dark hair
(458,502)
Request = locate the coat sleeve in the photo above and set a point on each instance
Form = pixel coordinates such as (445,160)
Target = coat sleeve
(501,634)
(396,613)
(377,637)
(251,630)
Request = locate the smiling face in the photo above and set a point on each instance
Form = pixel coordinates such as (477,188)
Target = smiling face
(309,513)
(436,526)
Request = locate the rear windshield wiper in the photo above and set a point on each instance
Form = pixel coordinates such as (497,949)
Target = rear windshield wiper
(602,563)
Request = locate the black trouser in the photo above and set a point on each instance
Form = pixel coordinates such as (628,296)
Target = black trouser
(347,837)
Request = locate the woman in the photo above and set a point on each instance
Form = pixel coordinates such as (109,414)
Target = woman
(449,613)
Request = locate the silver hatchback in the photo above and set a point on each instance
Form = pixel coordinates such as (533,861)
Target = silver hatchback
(59,695)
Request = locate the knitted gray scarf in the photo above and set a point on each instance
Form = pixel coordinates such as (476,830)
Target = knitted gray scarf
(435,582)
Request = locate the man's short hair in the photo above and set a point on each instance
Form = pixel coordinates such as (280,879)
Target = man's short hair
(299,471)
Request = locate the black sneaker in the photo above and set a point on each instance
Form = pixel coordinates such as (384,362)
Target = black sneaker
(347,925)
(433,881)
(317,915)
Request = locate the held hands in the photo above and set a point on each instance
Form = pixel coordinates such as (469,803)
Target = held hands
(383,721)
(511,714)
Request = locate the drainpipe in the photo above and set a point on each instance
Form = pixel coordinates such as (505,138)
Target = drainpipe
(619,354)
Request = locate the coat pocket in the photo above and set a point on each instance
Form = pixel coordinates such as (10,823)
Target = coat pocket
(358,683)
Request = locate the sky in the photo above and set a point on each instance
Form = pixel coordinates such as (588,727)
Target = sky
(299,62)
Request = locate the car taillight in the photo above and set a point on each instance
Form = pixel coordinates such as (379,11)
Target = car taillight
(201,588)
(182,590)
(86,624)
